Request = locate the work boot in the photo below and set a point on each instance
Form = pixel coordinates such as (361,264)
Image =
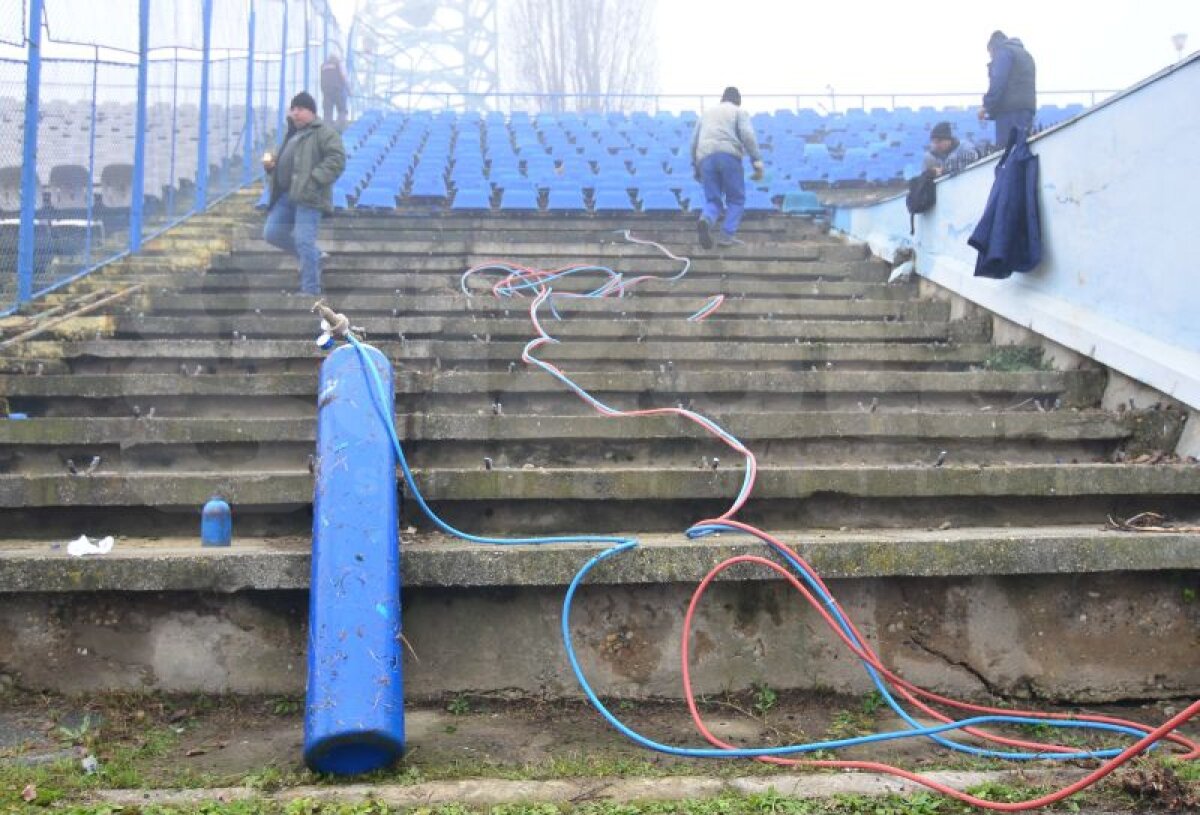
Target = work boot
(702,232)
(725,239)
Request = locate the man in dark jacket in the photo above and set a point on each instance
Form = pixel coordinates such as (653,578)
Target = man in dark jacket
(1011,98)
(301,176)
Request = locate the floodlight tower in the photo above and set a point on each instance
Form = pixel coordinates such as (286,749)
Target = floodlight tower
(1180,42)
(426,53)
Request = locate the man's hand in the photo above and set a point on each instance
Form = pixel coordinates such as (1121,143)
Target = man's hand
(268,162)
(982,114)
(757,175)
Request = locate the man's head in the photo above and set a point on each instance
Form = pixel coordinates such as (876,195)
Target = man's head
(303,109)
(941,138)
(733,95)
(997,39)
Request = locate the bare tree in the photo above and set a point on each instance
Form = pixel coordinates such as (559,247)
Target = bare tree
(593,51)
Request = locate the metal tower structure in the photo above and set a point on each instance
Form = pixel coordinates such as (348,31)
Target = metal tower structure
(425,53)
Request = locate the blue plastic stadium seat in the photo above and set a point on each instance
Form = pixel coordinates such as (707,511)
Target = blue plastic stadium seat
(659,200)
(759,201)
(376,198)
(519,199)
(427,187)
(566,200)
(802,202)
(609,200)
(472,199)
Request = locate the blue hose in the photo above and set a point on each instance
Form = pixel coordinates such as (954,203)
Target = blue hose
(621,544)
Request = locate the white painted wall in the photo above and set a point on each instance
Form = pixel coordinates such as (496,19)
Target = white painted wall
(1120,203)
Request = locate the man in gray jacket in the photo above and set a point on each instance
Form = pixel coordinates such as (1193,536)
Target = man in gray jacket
(722,136)
(301,176)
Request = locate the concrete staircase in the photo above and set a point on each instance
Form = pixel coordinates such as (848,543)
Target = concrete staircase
(896,445)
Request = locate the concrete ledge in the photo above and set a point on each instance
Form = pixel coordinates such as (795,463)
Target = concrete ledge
(264,488)
(433,427)
(143,565)
(400,352)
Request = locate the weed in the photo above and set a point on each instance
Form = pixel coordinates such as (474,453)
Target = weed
(765,698)
(81,734)
(1016,358)
(1189,595)
(872,702)
(283,706)
(459,705)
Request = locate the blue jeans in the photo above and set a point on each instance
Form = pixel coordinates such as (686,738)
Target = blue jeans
(721,174)
(293,228)
(1005,122)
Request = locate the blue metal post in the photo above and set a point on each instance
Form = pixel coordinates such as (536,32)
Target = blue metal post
(282,125)
(170,213)
(202,145)
(29,181)
(325,34)
(91,189)
(139,137)
(307,36)
(248,150)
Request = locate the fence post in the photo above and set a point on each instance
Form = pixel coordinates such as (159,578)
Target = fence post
(307,35)
(138,203)
(281,126)
(29,181)
(202,142)
(248,148)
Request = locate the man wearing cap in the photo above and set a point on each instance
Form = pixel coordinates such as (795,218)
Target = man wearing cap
(721,137)
(947,154)
(1011,98)
(301,175)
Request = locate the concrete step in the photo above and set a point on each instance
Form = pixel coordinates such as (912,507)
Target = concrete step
(613,498)
(106,356)
(519,327)
(436,439)
(434,560)
(293,394)
(664,305)
(452,266)
(559,252)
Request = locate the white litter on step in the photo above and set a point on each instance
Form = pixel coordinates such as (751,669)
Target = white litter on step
(902,273)
(82,546)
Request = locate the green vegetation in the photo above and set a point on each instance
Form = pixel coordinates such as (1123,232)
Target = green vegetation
(1016,358)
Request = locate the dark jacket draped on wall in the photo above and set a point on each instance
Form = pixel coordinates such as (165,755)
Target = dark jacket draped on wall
(1009,235)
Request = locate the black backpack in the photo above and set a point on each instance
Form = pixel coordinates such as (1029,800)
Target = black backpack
(922,195)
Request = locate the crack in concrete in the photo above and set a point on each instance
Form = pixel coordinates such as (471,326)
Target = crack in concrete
(958,663)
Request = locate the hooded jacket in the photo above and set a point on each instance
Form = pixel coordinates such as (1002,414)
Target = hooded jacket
(1012,79)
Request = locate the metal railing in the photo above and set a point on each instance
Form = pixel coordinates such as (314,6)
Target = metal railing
(826,104)
(109,136)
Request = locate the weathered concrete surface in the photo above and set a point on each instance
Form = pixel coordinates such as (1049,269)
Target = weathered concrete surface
(1084,637)
(432,560)
(460,427)
(494,792)
(619,483)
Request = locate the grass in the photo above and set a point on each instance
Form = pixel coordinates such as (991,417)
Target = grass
(1016,358)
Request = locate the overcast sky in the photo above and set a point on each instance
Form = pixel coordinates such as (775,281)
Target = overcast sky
(883,46)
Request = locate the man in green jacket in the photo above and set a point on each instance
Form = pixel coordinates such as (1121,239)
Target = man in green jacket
(301,176)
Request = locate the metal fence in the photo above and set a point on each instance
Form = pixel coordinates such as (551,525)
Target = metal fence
(119,119)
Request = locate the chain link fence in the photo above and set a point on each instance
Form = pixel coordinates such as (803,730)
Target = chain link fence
(211,105)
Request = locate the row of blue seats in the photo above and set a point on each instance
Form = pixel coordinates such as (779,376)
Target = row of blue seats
(575,201)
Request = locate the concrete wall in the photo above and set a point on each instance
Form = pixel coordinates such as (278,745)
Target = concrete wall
(1119,277)
(1085,637)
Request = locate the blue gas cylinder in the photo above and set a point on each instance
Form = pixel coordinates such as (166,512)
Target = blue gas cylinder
(216,523)
(354,715)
